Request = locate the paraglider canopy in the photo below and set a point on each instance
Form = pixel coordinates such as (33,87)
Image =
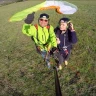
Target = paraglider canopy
(61,7)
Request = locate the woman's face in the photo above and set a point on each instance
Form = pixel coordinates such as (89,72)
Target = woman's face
(63,26)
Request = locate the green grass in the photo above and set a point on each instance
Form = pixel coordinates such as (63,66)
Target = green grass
(22,70)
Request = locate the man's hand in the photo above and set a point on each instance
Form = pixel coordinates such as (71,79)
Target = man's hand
(29,18)
(54,49)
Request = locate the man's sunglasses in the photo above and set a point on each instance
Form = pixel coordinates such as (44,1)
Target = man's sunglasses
(43,20)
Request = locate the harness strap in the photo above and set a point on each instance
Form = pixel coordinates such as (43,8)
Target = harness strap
(36,26)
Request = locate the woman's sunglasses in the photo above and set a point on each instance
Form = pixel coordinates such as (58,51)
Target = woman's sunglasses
(43,20)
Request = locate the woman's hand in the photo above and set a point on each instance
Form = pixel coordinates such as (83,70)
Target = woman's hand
(58,40)
(71,28)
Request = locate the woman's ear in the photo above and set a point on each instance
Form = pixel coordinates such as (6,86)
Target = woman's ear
(68,25)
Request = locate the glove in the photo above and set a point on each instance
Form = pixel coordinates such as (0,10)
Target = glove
(30,18)
(38,49)
(54,49)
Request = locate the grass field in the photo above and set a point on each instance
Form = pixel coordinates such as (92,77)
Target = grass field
(22,70)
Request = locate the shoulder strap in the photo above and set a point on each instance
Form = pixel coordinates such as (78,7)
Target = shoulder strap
(57,32)
(36,26)
(48,27)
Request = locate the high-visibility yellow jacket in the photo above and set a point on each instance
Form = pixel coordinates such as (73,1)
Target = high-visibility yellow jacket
(45,39)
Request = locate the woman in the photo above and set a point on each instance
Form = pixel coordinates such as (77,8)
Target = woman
(66,36)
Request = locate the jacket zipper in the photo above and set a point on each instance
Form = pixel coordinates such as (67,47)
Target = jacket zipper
(44,35)
(64,41)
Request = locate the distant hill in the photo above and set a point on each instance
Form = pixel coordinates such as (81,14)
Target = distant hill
(5,2)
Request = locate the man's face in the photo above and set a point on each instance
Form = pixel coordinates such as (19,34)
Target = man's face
(63,26)
(43,22)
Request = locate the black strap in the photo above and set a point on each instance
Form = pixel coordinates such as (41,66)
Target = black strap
(57,84)
(36,26)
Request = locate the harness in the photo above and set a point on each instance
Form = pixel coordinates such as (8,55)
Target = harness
(64,48)
(36,26)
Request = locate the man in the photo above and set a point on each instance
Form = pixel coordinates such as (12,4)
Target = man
(42,34)
(66,36)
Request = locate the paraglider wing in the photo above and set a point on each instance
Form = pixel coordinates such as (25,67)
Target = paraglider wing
(21,15)
(61,7)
